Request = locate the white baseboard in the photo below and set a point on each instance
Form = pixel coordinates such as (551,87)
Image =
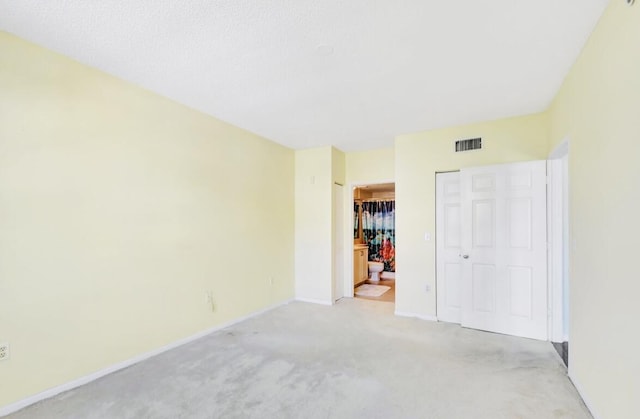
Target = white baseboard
(418,316)
(313,301)
(581,393)
(21,404)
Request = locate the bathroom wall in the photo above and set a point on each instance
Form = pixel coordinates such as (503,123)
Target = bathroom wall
(358,195)
(364,193)
(597,110)
(119,211)
(418,157)
(383,195)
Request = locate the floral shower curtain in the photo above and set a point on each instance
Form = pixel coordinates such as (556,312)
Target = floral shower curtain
(379,231)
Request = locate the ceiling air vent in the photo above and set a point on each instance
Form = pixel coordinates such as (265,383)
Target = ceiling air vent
(470,144)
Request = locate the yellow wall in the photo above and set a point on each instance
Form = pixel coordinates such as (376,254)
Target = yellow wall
(418,157)
(313,228)
(339,244)
(598,109)
(316,172)
(338,166)
(372,166)
(119,209)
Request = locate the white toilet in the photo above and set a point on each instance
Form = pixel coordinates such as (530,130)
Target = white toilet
(374,271)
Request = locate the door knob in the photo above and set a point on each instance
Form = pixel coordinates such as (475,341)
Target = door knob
(465,256)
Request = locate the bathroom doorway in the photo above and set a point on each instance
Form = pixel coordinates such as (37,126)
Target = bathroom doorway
(374,241)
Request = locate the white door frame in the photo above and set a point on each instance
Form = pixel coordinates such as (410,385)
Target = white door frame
(338,283)
(348,257)
(558,242)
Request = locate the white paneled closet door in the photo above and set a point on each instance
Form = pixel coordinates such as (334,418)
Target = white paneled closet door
(448,236)
(503,249)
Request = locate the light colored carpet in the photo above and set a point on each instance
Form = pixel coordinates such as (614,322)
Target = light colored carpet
(370,290)
(352,360)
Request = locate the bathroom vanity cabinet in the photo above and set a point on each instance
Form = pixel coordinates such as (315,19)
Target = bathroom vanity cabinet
(360,266)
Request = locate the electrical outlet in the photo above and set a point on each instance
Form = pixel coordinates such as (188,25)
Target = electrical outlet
(427,288)
(4,351)
(271,280)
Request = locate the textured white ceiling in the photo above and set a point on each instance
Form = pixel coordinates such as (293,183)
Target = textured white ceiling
(394,66)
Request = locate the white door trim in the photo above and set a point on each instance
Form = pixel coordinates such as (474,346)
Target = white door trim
(338,283)
(557,231)
(554,243)
(560,151)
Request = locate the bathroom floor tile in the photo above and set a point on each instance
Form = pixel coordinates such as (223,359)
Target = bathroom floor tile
(388,297)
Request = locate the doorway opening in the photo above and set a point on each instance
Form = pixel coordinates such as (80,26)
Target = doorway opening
(374,240)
